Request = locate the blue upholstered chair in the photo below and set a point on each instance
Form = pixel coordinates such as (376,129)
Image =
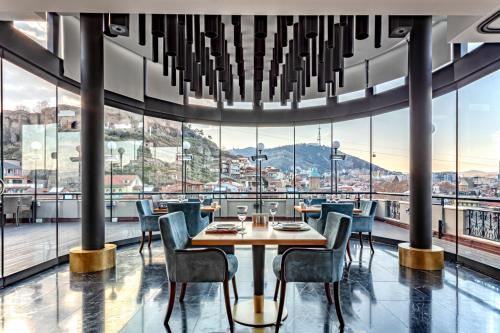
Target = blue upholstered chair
(149,221)
(316,265)
(206,202)
(192,212)
(186,264)
(319,223)
(364,221)
(314,201)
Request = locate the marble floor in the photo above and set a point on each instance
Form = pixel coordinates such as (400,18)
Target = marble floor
(376,296)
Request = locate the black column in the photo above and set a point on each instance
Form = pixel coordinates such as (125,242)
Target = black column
(92,130)
(420,82)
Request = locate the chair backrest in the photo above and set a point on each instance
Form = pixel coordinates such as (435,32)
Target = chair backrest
(26,202)
(368,208)
(155,198)
(143,208)
(193,200)
(207,201)
(317,201)
(174,236)
(337,230)
(192,215)
(342,208)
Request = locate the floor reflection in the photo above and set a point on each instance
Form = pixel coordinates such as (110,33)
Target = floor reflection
(377,295)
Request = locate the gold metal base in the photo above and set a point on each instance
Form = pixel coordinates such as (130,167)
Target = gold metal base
(247,312)
(87,261)
(425,259)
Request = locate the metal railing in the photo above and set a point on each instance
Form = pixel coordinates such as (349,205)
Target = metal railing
(483,224)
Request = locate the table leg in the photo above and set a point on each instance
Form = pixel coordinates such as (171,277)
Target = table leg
(257,312)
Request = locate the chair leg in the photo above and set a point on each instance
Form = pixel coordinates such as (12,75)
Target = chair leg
(142,241)
(361,239)
(281,306)
(235,289)
(349,250)
(337,303)
(276,289)
(328,293)
(228,305)
(183,292)
(370,240)
(171,300)
(150,237)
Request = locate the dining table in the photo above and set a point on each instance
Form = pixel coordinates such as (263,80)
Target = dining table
(303,210)
(259,311)
(206,209)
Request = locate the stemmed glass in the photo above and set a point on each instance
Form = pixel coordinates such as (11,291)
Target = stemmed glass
(202,198)
(242,216)
(273,209)
(309,200)
(181,197)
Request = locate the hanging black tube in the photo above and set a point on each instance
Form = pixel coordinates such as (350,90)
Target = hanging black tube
(188,63)
(173,75)
(197,39)
(362,27)
(237,36)
(378,31)
(155,49)
(303,80)
(330,42)
(202,53)
(220,60)
(210,77)
(321,77)
(307,64)
(289,20)
(348,39)
(341,78)
(236,20)
(338,59)
(328,64)
(189,29)
(259,47)
(157,25)
(171,34)
(303,41)
(283,31)
(106,31)
(207,66)
(313,58)
(211,26)
(258,62)
(260,26)
(165,58)
(321,40)
(311,26)
(181,49)
(142,29)
(181,83)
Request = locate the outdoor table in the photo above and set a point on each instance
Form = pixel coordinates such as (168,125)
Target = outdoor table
(258,311)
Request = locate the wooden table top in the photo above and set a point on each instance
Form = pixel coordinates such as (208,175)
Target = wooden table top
(261,235)
(208,209)
(313,209)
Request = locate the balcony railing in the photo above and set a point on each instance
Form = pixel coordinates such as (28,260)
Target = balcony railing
(483,224)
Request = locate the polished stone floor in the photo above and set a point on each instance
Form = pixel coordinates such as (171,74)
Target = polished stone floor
(376,296)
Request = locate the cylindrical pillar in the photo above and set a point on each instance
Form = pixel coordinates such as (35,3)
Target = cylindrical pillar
(420,85)
(92,130)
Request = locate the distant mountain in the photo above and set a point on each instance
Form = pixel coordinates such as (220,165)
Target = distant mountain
(306,156)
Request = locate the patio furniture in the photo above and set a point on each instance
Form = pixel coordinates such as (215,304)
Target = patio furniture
(193,264)
(316,265)
(149,221)
(364,221)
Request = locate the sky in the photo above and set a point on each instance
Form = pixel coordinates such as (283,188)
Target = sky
(478,123)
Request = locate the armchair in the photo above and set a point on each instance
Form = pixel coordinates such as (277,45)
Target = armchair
(316,265)
(315,201)
(149,221)
(193,264)
(192,212)
(319,223)
(364,222)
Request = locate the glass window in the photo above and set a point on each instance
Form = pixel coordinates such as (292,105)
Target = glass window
(202,102)
(313,167)
(351,95)
(36,30)
(385,86)
(239,105)
(29,145)
(201,158)
(163,155)
(276,106)
(311,102)
(354,171)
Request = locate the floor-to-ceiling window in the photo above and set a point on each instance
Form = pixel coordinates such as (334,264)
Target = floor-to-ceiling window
(123,181)
(29,168)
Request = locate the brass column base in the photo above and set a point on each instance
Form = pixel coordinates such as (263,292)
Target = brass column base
(87,261)
(247,312)
(425,259)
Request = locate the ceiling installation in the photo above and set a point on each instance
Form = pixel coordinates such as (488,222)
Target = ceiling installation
(288,53)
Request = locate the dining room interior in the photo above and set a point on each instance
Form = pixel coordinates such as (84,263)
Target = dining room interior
(250,167)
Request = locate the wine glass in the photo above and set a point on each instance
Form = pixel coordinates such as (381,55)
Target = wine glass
(202,198)
(273,209)
(309,200)
(242,211)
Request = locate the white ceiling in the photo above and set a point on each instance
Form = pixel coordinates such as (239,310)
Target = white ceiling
(262,7)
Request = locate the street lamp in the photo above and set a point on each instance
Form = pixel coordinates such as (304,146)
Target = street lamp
(335,157)
(35,146)
(260,157)
(111,146)
(186,145)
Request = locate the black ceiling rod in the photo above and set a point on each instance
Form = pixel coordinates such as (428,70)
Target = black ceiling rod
(338,59)
(230,98)
(314,65)
(237,36)
(158,25)
(271,85)
(311,26)
(119,24)
(348,39)
(282,86)
(106,31)
(328,64)
(283,31)
(321,40)
(289,20)
(210,78)
(341,78)
(212,25)
(239,54)
(303,41)
(197,39)
(378,31)
(142,29)
(207,66)
(362,27)
(218,52)
(259,47)
(321,77)
(181,48)
(330,41)
(188,65)
(173,75)
(278,50)
(192,84)
(171,33)
(155,49)
(203,55)
(260,26)
(303,79)
(307,64)
(296,62)
(181,82)
(189,29)
(165,57)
